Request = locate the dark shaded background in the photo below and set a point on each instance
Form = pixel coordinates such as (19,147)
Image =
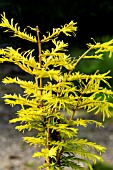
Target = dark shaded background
(94,17)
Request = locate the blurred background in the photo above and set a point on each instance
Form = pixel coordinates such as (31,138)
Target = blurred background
(94,20)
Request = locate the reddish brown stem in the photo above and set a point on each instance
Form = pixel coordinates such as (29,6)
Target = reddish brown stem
(48,160)
(40,56)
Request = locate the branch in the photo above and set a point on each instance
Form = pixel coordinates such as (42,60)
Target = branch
(40,56)
(82,56)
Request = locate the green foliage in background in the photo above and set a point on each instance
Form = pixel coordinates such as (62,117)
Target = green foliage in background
(102,166)
(66,89)
(86,67)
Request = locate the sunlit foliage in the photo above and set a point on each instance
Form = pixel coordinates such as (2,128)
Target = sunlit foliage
(41,104)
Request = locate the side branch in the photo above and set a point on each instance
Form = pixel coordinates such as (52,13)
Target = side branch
(82,56)
(76,108)
(79,99)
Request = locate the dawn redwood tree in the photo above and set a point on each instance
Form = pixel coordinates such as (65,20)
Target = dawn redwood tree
(65,89)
